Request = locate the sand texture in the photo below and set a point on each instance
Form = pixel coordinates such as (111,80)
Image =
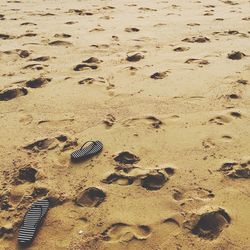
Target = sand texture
(165,85)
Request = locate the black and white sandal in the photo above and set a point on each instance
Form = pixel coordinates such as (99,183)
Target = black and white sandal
(84,153)
(32,221)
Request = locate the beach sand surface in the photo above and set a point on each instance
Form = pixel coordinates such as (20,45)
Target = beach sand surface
(165,85)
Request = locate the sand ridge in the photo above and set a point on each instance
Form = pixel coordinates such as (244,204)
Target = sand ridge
(164,85)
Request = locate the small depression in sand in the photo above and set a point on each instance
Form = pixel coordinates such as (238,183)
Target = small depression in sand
(11,93)
(126,158)
(91,197)
(211,224)
(121,232)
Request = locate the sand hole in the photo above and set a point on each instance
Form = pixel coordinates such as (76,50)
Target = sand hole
(153,181)
(211,224)
(236,55)
(8,94)
(91,197)
(27,174)
(126,158)
(135,57)
(38,82)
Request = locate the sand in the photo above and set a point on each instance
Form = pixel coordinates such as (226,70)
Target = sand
(164,85)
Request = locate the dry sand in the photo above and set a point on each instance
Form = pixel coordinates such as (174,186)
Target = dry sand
(167,81)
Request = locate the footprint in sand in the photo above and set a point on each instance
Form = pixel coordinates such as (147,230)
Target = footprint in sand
(88,80)
(38,82)
(135,57)
(227,138)
(131,29)
(208,13)
(119,179)
(90,197)
(62,35)
(115,38)
(242,81)
(130,5)
(11,93)
(47,14)
(70,23)
(106,17)
(100,46)
(159,75)
(82,66)
(109,121)
(160,24)
(126,157)
(146,9)
(193,24)
(181,49)
(88,63)
(236,55)
(132,69)
(197,61)
(229,32)
(42,145)
(56,122)
(236,170)
(194,194)
(121,232)
(81,12)
(60,43)
(200,39)
(107,8)
(209,6)
(26,174)
(92,60)
(246,18)
(219,19)
(152,120)
(153,181)
(220,120)
(34,66)
(209,225)
(235,114)
(233,96)
(28,23)
(5,36)
(97,29)
(150,179)
(27,35)
(24,53)
(40,59)
(63,141)
(230,2)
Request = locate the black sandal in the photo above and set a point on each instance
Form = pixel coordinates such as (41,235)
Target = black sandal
(92,149)
(32,221)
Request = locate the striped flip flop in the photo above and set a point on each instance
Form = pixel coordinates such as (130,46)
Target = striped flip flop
(32,220)
(84,153)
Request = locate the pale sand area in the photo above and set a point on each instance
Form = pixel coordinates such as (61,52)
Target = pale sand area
(183,124)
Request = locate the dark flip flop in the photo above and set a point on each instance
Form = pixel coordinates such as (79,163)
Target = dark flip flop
(32,220)
(84,153)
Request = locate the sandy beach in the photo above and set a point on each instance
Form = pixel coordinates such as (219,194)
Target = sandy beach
(164,85)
